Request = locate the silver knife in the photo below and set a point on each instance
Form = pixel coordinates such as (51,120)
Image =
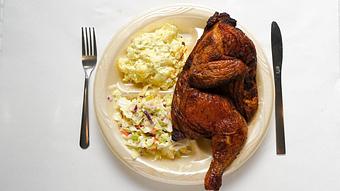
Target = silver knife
(276,41)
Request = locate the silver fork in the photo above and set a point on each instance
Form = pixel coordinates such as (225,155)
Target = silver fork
(89,59)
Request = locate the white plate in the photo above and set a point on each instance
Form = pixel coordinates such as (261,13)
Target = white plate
(190,170)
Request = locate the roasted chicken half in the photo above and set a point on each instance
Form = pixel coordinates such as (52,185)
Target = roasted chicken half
(216,93)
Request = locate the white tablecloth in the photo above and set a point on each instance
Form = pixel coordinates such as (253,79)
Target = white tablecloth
(41,84)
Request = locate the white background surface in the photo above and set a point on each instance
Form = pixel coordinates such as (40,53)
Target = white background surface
(41,83)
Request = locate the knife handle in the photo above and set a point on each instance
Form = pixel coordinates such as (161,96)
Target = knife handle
(280,134)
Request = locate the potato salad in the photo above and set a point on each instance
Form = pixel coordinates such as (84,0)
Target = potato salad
(154,58)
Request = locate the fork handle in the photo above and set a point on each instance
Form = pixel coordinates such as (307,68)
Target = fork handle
(84,131)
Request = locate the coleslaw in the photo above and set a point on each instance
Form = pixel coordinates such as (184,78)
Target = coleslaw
(145,124)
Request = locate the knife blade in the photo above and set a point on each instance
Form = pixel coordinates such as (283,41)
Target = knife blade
(276,42)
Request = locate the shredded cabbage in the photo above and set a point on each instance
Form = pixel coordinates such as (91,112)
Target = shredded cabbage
(145,124)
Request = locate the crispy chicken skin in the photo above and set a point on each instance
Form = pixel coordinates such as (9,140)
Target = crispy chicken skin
(216,93)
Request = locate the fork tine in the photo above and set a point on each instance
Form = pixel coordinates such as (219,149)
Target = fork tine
(82,41)
(94,42)
(90,39)
(87,42)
